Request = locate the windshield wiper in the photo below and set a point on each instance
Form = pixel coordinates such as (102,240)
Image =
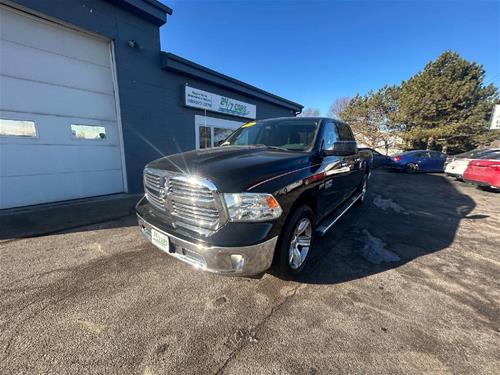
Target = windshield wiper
(278,148)
(271,147)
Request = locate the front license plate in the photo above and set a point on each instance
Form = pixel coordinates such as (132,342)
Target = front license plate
(160,240)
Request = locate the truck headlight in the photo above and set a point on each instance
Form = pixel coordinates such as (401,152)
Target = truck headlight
(252,207)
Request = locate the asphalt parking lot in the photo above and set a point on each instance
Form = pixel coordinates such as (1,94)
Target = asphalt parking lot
(407,283)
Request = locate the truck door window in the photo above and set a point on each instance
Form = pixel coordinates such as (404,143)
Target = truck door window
(345,133)
(329,136)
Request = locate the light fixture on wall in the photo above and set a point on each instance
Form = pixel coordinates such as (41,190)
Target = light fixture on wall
(133,44)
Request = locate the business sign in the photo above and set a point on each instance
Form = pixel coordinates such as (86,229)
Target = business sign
(495,119)
(217,103)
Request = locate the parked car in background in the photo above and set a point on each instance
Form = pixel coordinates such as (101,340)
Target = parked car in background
(484,172)
(418,161)
(375,158)
(455,166)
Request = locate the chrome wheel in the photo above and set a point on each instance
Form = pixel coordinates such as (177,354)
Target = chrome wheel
(300,243)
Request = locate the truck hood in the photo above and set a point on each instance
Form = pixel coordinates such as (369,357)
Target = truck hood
(233,168)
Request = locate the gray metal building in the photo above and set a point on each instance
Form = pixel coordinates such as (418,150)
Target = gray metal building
(87,98)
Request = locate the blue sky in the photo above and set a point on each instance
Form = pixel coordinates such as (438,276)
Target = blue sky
(316,51)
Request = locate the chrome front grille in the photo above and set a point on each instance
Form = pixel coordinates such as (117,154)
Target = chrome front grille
(190,192)
(152,180)
(153,189)
(194,202)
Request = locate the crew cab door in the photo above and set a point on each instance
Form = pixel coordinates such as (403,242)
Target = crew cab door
(355,174)
(337,173)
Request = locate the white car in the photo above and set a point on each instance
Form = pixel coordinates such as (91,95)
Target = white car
(456,165)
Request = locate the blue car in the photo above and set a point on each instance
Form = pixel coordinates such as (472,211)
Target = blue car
(418,161)
(375,158)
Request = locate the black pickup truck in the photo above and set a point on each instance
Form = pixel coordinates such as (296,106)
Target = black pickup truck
(261,197)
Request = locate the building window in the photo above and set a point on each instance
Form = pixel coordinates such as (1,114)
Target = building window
(211,131)
(17,128)
(89,132)
(220,135)
(205,137)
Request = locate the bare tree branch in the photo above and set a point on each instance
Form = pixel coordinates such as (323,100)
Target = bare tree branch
(338,107)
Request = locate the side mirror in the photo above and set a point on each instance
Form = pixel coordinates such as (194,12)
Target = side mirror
(342,148)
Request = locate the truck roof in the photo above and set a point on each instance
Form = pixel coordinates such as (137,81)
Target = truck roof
(300,118)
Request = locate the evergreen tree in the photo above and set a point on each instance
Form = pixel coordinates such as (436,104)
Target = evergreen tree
(446,105)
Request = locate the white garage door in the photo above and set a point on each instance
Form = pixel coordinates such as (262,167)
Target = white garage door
(59,134)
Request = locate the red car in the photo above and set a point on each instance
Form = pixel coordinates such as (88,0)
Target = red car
(484,172)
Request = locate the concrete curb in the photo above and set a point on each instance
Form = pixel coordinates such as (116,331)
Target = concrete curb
(44,219)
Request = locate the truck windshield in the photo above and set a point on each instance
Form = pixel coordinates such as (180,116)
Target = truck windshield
(294,134)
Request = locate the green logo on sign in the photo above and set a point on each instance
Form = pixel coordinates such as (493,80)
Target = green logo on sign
(229,106)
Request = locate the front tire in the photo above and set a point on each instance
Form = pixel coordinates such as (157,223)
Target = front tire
(296,242)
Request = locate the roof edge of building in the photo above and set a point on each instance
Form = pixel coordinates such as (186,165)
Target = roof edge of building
(170,61)
(160,5)
(151,10)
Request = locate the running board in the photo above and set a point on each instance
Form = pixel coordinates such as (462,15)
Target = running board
(330,221)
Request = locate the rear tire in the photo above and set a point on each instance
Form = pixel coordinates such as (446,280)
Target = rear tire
(411,168)
(296,242)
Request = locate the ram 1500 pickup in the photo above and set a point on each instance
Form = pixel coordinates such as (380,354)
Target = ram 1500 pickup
(261,197)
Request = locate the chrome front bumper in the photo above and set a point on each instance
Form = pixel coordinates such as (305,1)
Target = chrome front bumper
(238,261)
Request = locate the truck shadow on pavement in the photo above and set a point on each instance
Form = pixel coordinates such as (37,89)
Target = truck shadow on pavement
(404,217)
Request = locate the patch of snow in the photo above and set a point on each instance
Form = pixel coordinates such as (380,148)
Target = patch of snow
(374,250)
(385,204)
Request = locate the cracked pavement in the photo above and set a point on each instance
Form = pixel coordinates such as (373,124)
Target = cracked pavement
(407,283)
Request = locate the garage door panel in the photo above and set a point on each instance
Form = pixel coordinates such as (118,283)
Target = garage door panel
(24,62)
(55,130)
(27,190)
(53,159)
(27,96)
(41,34)
(60,135)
